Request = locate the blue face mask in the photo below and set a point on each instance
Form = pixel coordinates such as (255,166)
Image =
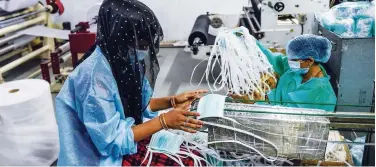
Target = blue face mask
(165,141)
(295,67)
(141,54)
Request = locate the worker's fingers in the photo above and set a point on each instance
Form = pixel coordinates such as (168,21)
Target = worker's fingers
(189,125)
(189,113)
(234,96)
(195,121)
(196,93)
(188,129)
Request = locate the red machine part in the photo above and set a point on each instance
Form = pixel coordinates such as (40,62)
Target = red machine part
(45,71)
(57,6)
(55,63)
(80,41)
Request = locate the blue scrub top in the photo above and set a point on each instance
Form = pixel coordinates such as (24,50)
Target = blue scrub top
(93,129)
(291,89)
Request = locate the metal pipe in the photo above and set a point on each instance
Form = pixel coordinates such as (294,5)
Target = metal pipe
(257,23)
(17,44)
(65,57)
(23,59)
(23,16)
(25,24)
(250,22)
(63,48)
(7,49)
(11,54)
(9,38)
(12,15)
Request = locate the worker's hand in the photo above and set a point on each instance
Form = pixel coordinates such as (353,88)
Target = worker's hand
(185,99)
(178,119)
(241,98)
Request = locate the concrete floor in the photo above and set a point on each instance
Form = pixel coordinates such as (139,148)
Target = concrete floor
(176,66)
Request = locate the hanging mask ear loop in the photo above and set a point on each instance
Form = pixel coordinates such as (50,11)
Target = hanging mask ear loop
(149,151)
(194,69)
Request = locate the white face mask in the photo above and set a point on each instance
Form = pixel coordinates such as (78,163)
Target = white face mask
(206,109)
(295,67)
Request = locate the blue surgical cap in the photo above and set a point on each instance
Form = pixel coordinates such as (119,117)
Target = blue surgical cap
(309,46)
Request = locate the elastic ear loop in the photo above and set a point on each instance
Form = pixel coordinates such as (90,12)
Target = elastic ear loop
(237,79)
(198,158)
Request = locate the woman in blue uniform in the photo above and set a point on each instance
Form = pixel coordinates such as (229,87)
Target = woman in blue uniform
(102,107)
(302,77)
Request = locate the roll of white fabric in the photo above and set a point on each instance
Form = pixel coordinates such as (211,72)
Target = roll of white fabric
(28,128)
(14,5)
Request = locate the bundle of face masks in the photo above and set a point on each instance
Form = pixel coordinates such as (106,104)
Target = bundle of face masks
(175,147)
(350,19)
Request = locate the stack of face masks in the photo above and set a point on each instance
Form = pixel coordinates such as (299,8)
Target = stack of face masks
(171,145)
(350,19)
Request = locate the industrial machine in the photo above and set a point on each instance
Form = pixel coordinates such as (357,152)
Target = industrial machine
(303,136)
(14,19)
(80,40)
(351,66)
(273,22)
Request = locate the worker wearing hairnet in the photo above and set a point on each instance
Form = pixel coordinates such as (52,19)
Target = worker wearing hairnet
(302,77)
(104,102)
(303,80)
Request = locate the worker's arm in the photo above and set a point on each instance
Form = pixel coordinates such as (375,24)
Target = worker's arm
(174,119)
(181,100)
(157,104)
(146,129)
(110,132)
(277,60)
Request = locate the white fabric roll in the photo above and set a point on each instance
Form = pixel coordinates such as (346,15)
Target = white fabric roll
(28,128)
(13,5)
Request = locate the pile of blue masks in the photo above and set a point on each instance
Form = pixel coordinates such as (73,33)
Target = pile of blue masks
(350,19)
(171,145)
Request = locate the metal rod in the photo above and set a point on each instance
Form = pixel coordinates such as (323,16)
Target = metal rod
(23,59)
(257,23)
(250,22)
(63,48)
(20,43)
(11,54)
(9,38)
(65,57)
(25,24)
(23,16)
(7,49)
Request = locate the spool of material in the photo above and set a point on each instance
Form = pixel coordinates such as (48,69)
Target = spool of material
(200,30)
(28,129)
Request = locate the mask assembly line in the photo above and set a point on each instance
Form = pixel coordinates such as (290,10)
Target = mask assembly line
(291,84)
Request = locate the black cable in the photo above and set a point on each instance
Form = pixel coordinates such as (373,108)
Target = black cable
(302,29)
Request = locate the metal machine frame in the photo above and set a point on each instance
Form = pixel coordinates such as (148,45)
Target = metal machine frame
(80,40)
(42,14)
